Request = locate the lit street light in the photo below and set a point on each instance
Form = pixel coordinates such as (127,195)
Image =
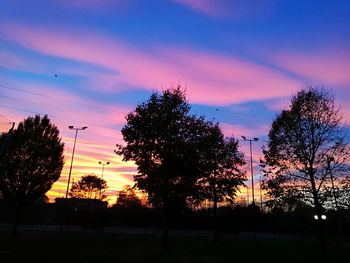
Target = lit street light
(251,162)
(103,166)
(323,217)
(71,162)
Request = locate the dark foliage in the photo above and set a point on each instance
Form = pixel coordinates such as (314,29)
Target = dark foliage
(127,198)
(32,163)
(221,176)
(221,160)
(89,186)
(161,138)
(168,145)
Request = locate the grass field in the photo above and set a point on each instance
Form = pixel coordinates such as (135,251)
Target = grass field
(88,247)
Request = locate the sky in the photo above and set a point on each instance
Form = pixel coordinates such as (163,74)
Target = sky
(90,62)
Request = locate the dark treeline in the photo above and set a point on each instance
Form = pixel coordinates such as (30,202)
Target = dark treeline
(231,220)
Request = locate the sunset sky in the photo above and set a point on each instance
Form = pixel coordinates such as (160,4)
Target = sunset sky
(89,62)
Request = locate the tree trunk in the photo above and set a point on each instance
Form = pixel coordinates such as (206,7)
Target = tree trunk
(165,236)
(215,211)
(215,214)
(319,221)
(18,212)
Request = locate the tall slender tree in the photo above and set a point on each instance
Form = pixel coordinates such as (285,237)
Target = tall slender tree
(222,175)
(307,144)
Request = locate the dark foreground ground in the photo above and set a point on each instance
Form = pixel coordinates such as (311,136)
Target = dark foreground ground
(99,247)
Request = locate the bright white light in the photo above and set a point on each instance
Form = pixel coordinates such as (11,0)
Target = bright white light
(316,217)
(324,217)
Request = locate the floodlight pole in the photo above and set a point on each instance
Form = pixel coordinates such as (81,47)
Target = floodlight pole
(71,162)
(103,167)
(250,140)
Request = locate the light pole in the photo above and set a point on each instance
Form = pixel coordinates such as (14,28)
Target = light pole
(103,167)
(247,195)
(71,162)
(250,140)
(261,206)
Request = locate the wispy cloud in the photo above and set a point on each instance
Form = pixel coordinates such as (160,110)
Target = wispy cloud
(234,80)
(326,67)
(238,130)
(232,9)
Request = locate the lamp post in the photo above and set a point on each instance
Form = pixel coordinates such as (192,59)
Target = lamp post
(103,167)
(250,140)
(261,206)
(71,162)
(247,195)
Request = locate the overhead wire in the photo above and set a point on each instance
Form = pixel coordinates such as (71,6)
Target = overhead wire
(51,97)
(5,118)
(51,106)
(97,115)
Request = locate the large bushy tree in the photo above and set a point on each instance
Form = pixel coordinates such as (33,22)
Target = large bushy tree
(32,163)
(163,139)
(307,143)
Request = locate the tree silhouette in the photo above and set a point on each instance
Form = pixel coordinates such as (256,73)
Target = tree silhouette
(89,186)
(221,176)
(127,198)
(302,141)
(342,192)
(163,139)
(32,163)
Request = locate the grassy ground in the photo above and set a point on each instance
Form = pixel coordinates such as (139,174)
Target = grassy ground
(87,247)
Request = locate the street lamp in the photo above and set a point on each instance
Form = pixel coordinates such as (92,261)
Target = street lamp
(260,194)
(103,166)
(71,162)
(250,140)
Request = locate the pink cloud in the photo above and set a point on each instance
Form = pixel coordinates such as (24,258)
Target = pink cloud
(97,143)
(238,130)
(233,80)
(327,67)
(234,9)
(12,61)
(279,104)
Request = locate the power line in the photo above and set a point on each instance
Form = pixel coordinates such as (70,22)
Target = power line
(37,113)
(5,118)
(51,97)
(51,106)
(25,110)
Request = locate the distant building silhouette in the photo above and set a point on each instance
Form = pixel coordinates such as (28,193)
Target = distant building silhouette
(81,204)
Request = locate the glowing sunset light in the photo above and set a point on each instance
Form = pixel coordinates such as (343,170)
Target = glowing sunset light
(89,63)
